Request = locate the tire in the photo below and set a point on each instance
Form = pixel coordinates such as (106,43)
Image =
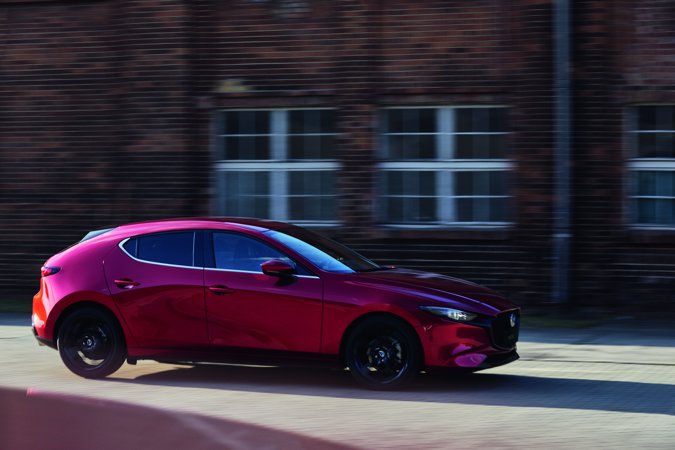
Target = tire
(91,343)
(383,353)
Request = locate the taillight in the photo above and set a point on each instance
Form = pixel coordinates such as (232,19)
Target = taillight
(49,270)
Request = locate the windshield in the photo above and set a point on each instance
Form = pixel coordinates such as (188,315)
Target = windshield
(324,253)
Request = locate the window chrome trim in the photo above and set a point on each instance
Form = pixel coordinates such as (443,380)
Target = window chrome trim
(256,273)
(124,241)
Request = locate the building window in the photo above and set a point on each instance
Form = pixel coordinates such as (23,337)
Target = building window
(444,166)
(277,164)
(652,166)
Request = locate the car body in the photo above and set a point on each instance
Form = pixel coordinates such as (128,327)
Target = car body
(248,290)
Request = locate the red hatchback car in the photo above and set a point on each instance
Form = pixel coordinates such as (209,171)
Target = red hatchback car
(252,291)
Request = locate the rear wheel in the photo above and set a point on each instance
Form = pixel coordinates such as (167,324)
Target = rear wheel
(91,343)
(383,353)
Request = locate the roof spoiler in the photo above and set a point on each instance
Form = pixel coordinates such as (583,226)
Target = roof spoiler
(93,234)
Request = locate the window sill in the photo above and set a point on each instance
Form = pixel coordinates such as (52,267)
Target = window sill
(652,235)
(484,233)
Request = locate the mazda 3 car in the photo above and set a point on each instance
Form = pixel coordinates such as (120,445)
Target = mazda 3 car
(235,290)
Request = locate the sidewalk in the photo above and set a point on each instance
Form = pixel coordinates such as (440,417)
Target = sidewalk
(619,341)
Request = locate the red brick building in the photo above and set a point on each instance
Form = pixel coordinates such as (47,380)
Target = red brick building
(420,132)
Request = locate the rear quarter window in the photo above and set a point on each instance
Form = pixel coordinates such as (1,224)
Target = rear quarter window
(177,249)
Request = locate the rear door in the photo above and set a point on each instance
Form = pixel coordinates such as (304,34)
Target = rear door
(157,281)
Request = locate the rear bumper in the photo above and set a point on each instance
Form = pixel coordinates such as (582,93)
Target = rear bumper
(43,341)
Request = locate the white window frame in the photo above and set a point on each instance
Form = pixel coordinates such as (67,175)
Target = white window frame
(445,166)
(278,166)
(636,164)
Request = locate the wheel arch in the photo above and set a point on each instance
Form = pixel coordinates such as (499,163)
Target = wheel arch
(73,307)
(377,314)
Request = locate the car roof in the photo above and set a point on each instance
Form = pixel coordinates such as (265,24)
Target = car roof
(154,226)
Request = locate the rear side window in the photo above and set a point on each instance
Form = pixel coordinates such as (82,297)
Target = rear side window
(177,249)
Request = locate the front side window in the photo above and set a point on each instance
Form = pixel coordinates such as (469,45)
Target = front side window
(233,251)
(652,166)
(176,249)
(277,164)
(444,166)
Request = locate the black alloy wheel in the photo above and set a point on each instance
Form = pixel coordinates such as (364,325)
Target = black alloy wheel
(91,343)
(383,353)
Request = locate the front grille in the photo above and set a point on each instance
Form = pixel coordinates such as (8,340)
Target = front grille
(503,334)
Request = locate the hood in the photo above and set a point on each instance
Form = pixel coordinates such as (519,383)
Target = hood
(440,290)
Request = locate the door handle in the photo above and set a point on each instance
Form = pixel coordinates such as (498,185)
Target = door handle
(125,283)
(219,289)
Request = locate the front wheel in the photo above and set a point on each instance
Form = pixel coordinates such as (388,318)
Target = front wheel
(383,353)
(91,343)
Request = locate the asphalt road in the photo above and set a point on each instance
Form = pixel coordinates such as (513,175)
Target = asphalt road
(606,387)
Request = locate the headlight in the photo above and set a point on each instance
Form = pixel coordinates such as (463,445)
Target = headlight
(450,313)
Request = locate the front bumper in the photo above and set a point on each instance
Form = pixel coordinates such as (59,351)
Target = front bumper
(471,346)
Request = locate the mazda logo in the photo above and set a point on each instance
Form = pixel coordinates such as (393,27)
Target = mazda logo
(512,320)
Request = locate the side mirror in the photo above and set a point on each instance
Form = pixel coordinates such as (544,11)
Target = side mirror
(277,268)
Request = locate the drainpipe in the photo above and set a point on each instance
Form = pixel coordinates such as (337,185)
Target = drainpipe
(561,232)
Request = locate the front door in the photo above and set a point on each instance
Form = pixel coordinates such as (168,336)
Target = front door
(247,308)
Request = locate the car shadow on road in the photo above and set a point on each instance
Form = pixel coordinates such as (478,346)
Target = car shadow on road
(483,388)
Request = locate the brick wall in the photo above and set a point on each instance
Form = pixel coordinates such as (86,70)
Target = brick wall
(360,55)
(106,107)
(94,124)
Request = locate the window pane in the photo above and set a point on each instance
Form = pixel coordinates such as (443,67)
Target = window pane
(171,248)
(655,211)
(480,120)
(463,183)
(646,145)
(486,192)
(480,146)
(246,194)
(409,197)
(646,117)
(498,183)
(311,134)
(394,120)
(464,209)
(247,122)
(411,120)
(427,120)
(498,210)
(237,252)
(327,121)
(312,195)
(498,120)
(393,182)
(247,147)
(664,145)
(491,183)
(464,120)
(655,202)
(655,183)
(427,147)
(413,146)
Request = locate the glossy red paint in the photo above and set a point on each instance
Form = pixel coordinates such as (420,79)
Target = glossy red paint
(168,311)
(163,306)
